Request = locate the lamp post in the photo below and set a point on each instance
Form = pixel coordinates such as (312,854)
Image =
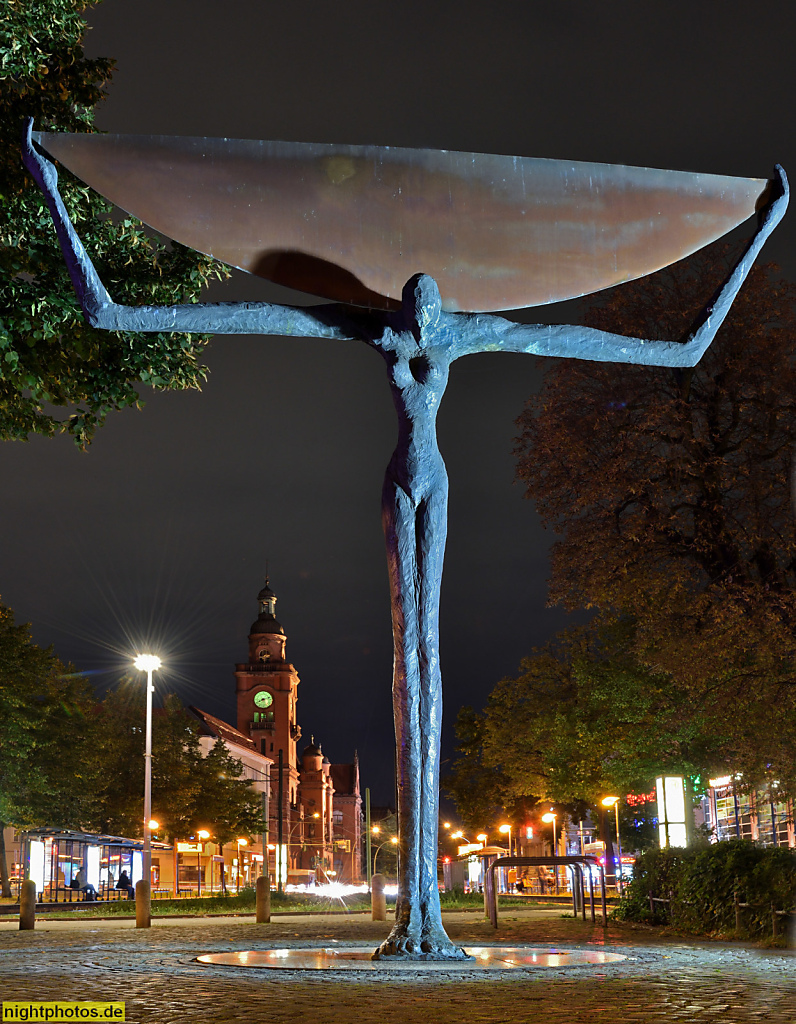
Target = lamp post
(393,840)
(266,797)
(506,829)
(282,851)
(375,830)
(613,801)
(148,663)
(202,834)
(482,838)
(551,817)
(242,841)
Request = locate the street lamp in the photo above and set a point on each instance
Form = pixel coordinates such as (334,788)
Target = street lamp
(482,838)
(242,841)
(551,817)
(393,840)
(148,663)
(506,829)
(202,834)
(613,801)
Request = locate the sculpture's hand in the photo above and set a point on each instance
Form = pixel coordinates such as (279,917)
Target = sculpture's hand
(712,317)
(481,333)
(42,169)
(778,194)
(101,311)
(89,289)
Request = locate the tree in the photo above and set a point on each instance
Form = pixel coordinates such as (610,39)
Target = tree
(50,359)
(189,791)
(584,720)
(46,776)
(480,792)
(68,762)
(670,490)
(228,805)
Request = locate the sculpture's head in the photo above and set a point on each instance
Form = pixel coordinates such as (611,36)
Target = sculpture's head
(421,303)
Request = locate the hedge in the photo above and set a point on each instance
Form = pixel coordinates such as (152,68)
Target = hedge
(701,883)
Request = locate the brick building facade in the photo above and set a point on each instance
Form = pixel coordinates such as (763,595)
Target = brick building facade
(314,806)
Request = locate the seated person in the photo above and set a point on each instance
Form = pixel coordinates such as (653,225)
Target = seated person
(124,883)
(546,878)
(81,882)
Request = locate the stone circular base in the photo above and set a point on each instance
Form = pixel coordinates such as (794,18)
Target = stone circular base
(484,958)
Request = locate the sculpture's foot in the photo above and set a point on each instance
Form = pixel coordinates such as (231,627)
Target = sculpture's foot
(400,944)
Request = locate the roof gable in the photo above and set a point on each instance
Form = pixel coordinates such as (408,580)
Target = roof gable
(209,725)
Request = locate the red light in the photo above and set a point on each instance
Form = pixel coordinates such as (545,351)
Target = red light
(447,860)
(636,799)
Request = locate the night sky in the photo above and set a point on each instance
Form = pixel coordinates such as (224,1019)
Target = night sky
(161,533)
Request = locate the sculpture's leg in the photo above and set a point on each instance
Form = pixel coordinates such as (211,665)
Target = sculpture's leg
(415,534)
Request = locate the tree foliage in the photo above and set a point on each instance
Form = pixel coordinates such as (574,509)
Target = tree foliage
(189,791)
(69,761)
(228,806)
(45,775)
(671,494)
(480,792)
(56,372)
(582,720)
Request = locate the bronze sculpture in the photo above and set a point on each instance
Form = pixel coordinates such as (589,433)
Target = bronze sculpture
(418,339)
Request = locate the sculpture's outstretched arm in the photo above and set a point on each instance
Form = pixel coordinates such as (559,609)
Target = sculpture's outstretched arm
(99,309)
(483,333)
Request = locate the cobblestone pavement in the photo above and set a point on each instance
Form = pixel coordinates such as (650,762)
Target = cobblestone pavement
(154,971)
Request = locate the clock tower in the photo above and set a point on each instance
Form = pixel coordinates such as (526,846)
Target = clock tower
(266,688)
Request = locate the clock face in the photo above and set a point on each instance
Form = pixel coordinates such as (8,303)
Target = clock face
(263,699)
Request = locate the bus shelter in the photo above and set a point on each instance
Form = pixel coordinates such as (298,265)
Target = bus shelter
(53,857)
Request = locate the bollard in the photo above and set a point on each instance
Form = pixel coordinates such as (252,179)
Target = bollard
(143,904)
(738,923)
(378,901)
(263,900)
(27,905)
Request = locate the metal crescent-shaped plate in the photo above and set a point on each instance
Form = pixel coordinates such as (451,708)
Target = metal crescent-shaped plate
(353,223)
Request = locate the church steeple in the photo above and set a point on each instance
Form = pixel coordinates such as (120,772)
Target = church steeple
(267,600)
(266,636)
(266,623)
(266,687)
